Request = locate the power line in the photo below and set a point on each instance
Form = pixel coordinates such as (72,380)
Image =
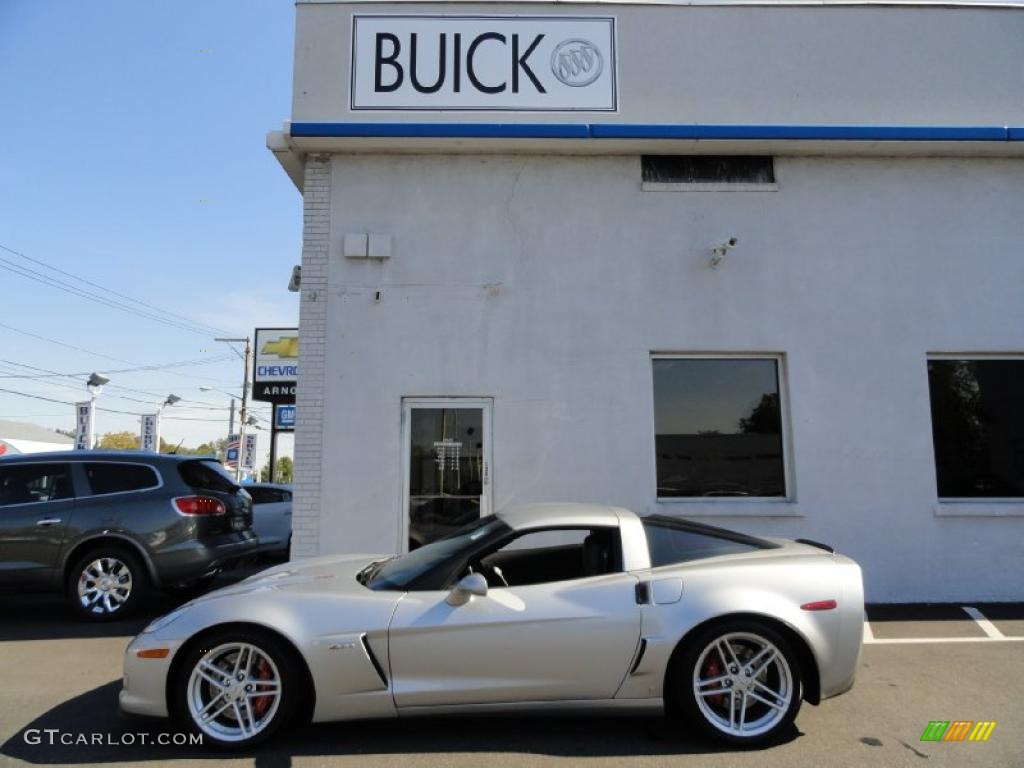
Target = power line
(149,306)
(105,410)
(149,311)
(156,367)
(99,354)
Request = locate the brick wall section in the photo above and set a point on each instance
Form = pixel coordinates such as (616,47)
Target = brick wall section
(316,233)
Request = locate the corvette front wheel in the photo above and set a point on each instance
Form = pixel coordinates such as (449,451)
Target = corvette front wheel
(238,688)
(739,683)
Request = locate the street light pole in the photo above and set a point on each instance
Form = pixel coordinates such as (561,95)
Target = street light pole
(243,413)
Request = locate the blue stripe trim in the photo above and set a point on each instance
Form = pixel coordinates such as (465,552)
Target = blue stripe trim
(445,130)
(631,131)
(801,132)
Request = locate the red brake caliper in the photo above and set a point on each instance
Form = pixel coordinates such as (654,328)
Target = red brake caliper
(261,704)
(713,668)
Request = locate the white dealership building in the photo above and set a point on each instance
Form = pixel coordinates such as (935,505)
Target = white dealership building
(755,263)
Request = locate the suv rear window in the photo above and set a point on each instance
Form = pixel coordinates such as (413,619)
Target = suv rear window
(111,477)
(207,475)
(672,541)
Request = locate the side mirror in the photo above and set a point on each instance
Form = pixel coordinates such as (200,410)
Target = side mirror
(469,585)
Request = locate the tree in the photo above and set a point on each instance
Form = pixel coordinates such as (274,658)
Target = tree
(285,471)
(764,418)
(119,441)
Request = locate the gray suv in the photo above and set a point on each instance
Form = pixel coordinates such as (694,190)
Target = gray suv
(106,526)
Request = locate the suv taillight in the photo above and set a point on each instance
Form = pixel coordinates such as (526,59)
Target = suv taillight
(199,505)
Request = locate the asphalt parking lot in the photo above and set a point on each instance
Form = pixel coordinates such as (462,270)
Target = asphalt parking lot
(920,663)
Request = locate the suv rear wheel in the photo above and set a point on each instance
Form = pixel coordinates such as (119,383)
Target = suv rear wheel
(106,583)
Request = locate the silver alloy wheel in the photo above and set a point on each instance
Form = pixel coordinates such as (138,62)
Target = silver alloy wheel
(234,692)
(742,684)
(104,585)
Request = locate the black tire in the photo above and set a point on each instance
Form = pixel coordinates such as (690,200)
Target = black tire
(291,677)
(92,598)
(710,719)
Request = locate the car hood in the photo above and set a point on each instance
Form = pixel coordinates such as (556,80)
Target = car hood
(333,574)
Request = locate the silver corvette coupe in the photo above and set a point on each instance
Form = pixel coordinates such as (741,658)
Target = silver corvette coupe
(554,605)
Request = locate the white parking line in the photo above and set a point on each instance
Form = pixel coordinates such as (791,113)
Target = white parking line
(992,634)
(987,626)
(927,640)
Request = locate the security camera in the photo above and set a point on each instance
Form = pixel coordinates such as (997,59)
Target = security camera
(295,281)
(719,251)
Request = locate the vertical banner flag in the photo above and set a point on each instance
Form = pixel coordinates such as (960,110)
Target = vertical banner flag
(149,438)
(83,431)
(231,459)
(249,454)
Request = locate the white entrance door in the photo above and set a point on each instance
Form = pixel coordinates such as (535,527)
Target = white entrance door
(446,457)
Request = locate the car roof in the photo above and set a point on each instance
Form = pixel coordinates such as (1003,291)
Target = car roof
(561,514)
(94,455)
(275,486)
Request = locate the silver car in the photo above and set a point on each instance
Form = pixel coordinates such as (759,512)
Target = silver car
(272,516)
(555,605)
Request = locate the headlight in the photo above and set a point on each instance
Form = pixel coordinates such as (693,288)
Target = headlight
(163,621)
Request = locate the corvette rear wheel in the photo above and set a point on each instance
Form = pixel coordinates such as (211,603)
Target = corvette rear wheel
(739,683)
(238,688)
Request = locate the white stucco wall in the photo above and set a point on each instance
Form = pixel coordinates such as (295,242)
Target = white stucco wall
(545,280)
(546,283)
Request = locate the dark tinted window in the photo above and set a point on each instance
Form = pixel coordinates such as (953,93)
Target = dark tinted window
(672,544)
(264,495)
(207,475)
(707,169)
(718,428)
(27,483)
(117,478)
(978,427)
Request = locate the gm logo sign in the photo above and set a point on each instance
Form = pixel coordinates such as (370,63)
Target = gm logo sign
(284,417)
(483,63)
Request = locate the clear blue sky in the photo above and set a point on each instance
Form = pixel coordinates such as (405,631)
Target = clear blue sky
(120,120)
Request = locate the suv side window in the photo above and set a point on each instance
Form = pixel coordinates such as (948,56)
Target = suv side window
(30,483)
(111,477)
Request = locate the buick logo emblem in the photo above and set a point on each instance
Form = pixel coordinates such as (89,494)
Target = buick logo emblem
(576,62)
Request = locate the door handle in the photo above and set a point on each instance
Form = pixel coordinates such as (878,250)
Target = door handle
(46,522)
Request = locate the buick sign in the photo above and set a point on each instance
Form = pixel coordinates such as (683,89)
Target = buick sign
(483,63)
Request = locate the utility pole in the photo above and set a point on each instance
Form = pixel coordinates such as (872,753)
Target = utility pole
(243,413)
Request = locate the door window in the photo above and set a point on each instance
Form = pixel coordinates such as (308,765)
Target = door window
(29,483)
(446,454)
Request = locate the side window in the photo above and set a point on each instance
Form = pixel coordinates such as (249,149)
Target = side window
(262,495)
(546,556)
(28,483)
(110,477)
(286,495)
(670,545)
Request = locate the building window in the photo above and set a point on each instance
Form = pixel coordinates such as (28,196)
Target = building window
(707,172)
(718,427)
(978,427)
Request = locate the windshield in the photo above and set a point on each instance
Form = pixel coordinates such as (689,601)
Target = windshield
(403,571)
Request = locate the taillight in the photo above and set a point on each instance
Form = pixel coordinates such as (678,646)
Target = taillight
(199,505)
